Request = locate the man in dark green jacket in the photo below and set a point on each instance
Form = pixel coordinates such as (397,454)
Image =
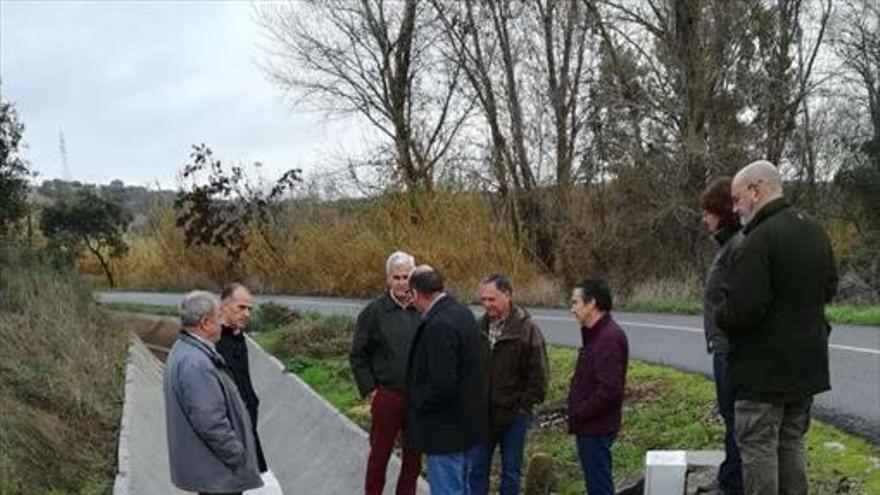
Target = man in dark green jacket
(379,352)
(780,279)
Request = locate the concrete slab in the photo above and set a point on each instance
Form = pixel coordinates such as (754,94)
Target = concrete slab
(309,445)
(143,452)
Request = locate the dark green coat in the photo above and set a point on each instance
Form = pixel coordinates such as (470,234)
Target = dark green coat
(773,308)
(380,344)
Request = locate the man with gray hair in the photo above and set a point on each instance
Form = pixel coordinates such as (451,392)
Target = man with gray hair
(772,311)
(211,445)
(379,351)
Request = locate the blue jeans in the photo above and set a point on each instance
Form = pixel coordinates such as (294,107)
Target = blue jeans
(447,474)
(730,472)
(594,452)
(513,442)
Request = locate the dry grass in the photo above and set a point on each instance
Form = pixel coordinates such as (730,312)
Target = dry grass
(331,249)
(61,378)
(682,294)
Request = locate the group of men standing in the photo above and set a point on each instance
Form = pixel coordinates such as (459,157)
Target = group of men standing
(765,327)
(457,389)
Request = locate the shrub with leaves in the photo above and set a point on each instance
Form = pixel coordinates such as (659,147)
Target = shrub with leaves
(221,210)
(317,337)
(86,221)
(14,169)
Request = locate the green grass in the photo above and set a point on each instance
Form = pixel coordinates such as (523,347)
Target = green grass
(837,314)
(854,315)
(664,409)
(155,309)
(674,306)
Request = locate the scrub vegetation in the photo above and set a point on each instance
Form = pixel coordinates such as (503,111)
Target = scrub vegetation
(61,382)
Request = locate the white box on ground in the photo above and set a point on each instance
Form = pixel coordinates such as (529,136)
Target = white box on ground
(665,472)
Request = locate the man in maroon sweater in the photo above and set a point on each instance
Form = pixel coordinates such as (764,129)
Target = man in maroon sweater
(595,398)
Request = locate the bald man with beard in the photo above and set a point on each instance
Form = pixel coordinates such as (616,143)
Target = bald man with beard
(773,313)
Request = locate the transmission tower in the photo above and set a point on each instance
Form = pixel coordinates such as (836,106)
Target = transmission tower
(62,148)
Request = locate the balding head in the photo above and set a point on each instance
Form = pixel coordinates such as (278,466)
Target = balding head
(426,284)
(754,186)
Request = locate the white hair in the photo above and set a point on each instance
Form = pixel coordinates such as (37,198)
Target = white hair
(764,172)
(197,305)
(399,260)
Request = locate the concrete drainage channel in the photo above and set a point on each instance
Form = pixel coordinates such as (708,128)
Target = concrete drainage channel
(310,446)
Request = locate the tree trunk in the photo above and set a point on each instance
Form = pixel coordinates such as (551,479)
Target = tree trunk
(102,261)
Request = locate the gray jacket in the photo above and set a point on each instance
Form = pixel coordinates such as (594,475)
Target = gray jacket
(728,240)
(210,444)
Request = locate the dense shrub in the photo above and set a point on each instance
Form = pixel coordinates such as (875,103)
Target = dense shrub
(316,337)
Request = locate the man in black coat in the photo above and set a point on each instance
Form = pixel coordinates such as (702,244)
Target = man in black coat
(780,279)
(236,303)
(445,416)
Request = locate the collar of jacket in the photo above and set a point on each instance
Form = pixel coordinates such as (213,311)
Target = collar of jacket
(389,304)
(188,338)
(445,300)
(235,333)
(766,212)
(588,334)
(724,235)
(512,327)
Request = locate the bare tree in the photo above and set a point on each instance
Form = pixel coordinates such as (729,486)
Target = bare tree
(479,40)
(788,61)
(525,64)
(855,40)
(678,67)
(373,58)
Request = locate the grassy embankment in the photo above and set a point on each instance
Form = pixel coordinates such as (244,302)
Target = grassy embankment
(664,409)
(61,382)
(840,314)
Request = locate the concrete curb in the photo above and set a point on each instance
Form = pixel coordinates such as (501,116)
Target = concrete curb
(122,483)
(143,456)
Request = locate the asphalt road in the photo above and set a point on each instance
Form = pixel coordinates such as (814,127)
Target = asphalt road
(853,403)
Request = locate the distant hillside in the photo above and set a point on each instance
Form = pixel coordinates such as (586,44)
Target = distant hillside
(135,200)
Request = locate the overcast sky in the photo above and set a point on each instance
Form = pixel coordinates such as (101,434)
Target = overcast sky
(133,83)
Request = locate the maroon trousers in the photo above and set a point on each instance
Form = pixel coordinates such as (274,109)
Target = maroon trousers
(388,415)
